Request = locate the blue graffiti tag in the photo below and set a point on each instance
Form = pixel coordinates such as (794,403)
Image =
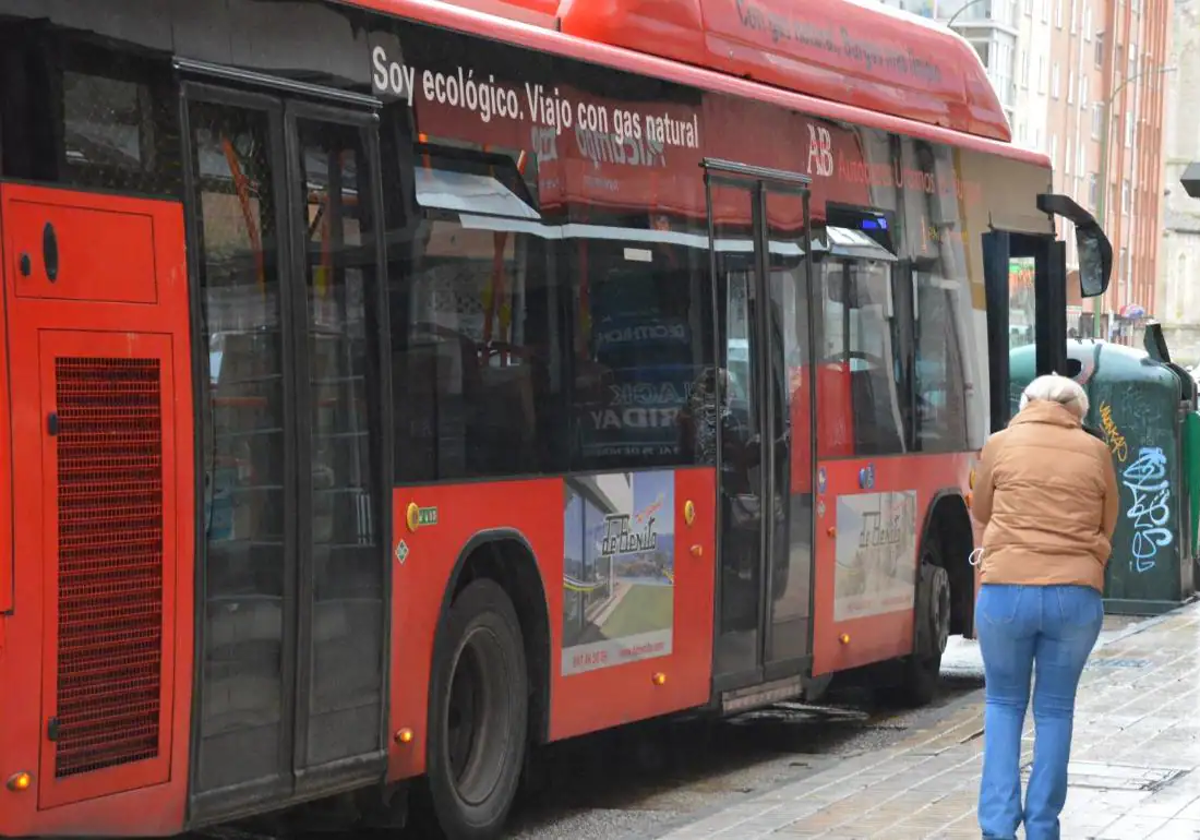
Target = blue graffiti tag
(1151,508)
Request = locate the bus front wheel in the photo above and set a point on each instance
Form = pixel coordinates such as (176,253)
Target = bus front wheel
(478,714)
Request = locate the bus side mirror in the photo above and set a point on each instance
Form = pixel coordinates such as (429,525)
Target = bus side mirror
(1094,249)
(1095,260)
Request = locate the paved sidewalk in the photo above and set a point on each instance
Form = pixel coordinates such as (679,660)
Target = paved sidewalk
(1135,770)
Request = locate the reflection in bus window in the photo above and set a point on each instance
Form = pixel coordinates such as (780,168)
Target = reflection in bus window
(347,580)
(860,338)
(243,443)
(1021,302)
(643,328)
(85,115)
(527,344)
(941,410)
(475,325)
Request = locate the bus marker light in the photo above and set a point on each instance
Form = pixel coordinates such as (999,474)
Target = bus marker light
(404,736)
(971,479)
(832,531)
(970,498)
(689,512)
(20,782)
(844,638)
(697,551)
(412,516)
(659,679)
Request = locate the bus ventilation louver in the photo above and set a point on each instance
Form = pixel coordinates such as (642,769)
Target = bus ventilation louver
(110,556)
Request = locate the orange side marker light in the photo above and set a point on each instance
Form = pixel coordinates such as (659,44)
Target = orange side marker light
(404,736)
(844,638)
(659,679)
(20,782)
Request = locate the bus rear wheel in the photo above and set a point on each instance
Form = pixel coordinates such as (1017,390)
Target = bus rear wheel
(922,670)
(478,714)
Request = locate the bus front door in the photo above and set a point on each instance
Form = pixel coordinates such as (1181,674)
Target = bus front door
(758,232)
(293,592)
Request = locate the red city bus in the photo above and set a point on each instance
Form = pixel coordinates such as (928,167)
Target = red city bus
(415,384)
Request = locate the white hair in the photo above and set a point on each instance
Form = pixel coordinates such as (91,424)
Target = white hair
(1060,389)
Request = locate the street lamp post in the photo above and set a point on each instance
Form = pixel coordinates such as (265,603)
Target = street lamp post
(1102,198)
(962,9)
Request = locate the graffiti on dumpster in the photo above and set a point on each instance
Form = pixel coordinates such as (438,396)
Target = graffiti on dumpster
(1112,434)
(1150,511)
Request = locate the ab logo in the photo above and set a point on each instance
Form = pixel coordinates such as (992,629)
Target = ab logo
(820,151)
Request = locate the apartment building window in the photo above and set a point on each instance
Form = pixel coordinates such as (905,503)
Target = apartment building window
(1083,92)
(1058,17)
(1093,190)
(1071,87)
(1028,4)
(1074,16)
(1087,22)
(1067,160)
(1100,50)
(1055,78)
(1125,197)
(1081,162)
(1097,119)
(1024,61)
(982,47)
(1054,167)
(1002,71)
(1045,11)
(1041,87)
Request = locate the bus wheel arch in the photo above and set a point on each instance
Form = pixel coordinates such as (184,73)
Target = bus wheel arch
(943,580)
(488,688)
(506,557)
(949,522)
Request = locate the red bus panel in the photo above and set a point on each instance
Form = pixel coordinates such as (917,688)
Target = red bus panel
(101,382)
(869,509)
(641,647)
(863,56)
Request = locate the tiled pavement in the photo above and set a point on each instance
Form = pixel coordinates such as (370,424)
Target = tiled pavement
(1135,769)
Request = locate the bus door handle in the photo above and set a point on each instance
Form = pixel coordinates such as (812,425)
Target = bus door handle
(50,251)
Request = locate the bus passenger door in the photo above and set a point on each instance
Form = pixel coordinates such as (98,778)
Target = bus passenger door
(759,251)
(295,562)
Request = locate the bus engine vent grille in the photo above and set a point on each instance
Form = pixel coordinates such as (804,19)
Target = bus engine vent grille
(110,562)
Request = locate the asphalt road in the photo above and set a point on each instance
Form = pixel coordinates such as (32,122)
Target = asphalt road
(636,782)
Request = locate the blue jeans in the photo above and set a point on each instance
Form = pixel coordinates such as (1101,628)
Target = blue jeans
(1049,630)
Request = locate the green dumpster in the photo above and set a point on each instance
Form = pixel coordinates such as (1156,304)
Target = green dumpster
(1140,406)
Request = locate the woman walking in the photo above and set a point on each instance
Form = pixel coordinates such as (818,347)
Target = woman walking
(1047,495)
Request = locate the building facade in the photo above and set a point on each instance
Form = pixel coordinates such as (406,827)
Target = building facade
(1066,69)
(1179,288)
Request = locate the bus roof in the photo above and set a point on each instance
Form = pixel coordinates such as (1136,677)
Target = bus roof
(868,56)
(872,87)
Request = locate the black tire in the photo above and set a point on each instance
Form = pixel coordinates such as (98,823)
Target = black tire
(922,671)
(478,714)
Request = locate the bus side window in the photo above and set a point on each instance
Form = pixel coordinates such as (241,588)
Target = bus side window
(859,384)
(941,419)
(82,115)
(476,316)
